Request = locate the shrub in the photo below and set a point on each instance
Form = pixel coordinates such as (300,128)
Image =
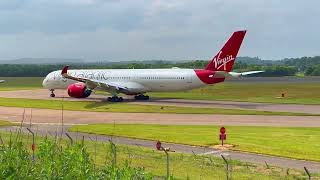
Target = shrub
(56,162)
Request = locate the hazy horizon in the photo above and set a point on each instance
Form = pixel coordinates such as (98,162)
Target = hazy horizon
(96,30)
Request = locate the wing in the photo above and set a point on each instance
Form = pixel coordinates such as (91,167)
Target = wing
(221,74)
(92,83)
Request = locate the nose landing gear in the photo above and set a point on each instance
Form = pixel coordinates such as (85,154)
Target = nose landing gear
(52,93)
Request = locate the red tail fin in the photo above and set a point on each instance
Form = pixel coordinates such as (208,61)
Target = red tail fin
(225,58)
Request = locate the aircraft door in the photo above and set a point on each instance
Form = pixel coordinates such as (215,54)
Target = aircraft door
(188,80)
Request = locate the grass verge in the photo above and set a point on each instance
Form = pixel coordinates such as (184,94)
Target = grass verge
(297,143)
(300,93)
(20,83)
(131,108)
(56,158)
(5,123)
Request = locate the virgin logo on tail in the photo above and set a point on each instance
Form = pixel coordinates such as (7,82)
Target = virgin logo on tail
(218,63)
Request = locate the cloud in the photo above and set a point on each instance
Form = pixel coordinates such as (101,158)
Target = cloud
(155,29)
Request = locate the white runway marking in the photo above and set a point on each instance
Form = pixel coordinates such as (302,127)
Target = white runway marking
(211,152)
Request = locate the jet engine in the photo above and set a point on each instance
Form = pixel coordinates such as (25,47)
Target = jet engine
(78,90)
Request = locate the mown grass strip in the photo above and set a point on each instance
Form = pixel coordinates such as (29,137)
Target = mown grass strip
(131,108)
(297,143)
(295,93)
(5,123)
(20,83)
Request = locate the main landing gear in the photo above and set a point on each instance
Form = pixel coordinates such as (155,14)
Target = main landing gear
(141,97)
(52,93)
(115,99)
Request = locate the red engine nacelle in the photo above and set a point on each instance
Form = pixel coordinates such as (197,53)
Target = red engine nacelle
(78,90)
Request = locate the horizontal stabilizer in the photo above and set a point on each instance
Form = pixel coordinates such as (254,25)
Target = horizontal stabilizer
(224,74)
(251,72)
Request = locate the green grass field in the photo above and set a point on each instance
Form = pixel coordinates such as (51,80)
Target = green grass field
(182,166)
(130,108)
(301,93)
(20,83)
(5,123)
(297,143)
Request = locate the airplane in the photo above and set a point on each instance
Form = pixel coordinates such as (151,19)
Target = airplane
(136,82)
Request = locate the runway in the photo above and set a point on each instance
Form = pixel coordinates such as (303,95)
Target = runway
(15,114)
(44,94)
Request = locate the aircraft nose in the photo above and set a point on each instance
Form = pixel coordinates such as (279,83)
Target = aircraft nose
(45,82)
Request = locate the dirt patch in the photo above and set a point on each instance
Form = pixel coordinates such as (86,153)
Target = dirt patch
(224,147)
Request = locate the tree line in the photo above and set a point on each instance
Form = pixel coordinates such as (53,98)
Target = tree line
(309,66)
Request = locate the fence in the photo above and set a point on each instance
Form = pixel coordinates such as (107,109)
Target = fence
(181,166)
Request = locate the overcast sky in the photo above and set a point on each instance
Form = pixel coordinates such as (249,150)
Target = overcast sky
(156,29)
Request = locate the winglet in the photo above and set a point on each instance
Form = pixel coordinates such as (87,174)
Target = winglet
(65,70)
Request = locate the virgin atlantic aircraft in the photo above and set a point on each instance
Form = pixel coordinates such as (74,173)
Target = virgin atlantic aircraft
(137,82)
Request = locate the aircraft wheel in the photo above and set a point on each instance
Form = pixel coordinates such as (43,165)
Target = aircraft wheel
(115,99)
(141,97)
(52,93)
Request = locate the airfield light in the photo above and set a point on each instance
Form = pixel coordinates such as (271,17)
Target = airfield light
(158,145)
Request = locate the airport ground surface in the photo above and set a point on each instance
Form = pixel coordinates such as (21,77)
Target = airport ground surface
(48,119)
(297,90)
(83,117)
(52,130)
(273,80)
(44,94)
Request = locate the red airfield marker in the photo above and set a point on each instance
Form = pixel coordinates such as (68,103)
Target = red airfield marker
(223,135)
(33,147)
(158,145)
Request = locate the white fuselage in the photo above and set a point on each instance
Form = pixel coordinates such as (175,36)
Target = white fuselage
(138,80)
